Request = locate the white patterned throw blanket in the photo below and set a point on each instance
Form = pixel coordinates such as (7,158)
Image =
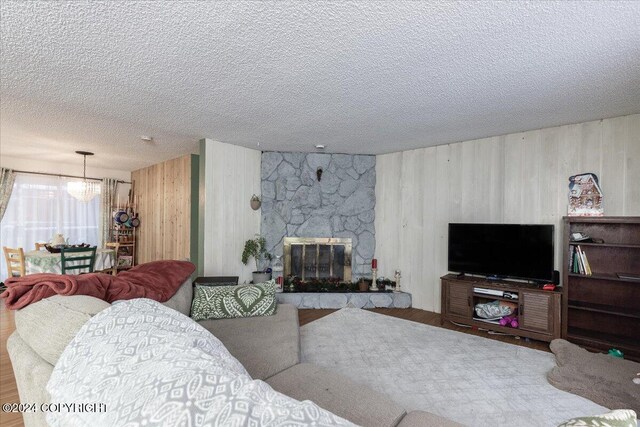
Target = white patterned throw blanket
(139,363)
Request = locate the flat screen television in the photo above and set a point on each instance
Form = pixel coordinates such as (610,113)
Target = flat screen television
(518,251)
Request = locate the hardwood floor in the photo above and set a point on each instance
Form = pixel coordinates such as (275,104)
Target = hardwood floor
(9,391)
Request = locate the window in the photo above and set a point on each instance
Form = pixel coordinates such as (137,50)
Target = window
(39,207)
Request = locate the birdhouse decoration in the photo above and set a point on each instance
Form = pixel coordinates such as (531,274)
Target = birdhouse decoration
(585,195)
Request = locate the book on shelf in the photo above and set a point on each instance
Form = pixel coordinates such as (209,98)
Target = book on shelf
(583,264)
(579,261)
(587,266)
(572,251)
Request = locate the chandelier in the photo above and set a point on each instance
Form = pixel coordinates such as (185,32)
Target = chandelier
(84,190)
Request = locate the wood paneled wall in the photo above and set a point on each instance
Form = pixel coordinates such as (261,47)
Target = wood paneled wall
(229,176)
(164,202)
(515,178)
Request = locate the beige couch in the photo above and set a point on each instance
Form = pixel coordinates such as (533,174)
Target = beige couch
(268,347)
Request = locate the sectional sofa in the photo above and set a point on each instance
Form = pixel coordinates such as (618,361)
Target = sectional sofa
(268,347)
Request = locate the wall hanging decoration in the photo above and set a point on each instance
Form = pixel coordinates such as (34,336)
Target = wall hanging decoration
(255,202)
(585,195)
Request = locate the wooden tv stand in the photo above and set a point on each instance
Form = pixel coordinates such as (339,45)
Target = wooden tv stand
(538,310)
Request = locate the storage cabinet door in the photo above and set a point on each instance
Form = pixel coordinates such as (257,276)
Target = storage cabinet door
(459,299)
(536,312)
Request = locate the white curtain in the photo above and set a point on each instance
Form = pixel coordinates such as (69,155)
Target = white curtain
(40,207)
(7,178)
(108,200)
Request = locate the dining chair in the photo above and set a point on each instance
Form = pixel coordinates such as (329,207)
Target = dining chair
(40,246)
(116,248)
(15,261)
(78,259)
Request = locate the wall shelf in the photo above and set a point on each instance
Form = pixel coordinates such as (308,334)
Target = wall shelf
(125,237)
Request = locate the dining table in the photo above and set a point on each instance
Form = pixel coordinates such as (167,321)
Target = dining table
(47,262)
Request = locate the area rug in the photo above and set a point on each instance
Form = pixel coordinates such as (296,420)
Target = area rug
(469,379)
(601,378)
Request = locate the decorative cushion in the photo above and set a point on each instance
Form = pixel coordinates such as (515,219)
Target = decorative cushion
(228,302)
(617,418)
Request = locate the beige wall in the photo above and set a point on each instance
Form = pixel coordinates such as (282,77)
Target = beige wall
(516,178)
(163,194)
(229,175)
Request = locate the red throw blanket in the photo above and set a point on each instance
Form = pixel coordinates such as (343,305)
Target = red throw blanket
(157,280)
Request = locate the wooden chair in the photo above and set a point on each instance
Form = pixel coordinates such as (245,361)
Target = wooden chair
(40,246)
(15,261)
(78,259)
(116,248)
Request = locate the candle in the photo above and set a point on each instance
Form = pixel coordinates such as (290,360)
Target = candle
(374,263)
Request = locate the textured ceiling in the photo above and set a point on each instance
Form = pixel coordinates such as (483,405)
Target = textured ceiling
(360,77)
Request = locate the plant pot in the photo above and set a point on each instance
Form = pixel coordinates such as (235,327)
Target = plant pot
(259,277)
(363,285)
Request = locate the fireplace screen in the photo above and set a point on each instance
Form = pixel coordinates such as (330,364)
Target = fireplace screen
(318,258)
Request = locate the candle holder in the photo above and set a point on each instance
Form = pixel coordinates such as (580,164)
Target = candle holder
(397,276)
(373,287)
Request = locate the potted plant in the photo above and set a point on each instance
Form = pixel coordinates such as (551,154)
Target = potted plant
(364,284)
(256,248)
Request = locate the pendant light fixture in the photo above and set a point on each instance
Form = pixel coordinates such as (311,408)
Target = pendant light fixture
(84,190)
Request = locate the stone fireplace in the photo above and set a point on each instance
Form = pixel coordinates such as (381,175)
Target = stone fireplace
(318,258)
(317,195)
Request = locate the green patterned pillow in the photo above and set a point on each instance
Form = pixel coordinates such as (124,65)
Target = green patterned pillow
(228,302)
(617,418)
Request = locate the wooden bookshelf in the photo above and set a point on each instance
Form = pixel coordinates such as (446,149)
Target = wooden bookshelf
(602,310)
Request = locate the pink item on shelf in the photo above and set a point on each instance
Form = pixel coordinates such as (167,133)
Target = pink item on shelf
(509,321)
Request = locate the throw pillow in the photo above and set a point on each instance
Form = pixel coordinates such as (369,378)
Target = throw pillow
(228,302)
(617,418)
